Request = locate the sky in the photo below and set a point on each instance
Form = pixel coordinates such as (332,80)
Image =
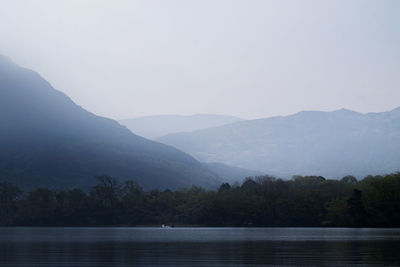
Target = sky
(248,58)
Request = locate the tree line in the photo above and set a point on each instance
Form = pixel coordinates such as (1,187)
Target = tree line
(303,201)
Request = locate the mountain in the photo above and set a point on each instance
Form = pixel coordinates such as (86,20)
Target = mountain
(332,144)
(156,126)
(231,174)
(48,140)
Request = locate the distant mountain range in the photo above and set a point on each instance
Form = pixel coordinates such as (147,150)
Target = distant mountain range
(153,127)
(332,144)
(231,174)
(47,140)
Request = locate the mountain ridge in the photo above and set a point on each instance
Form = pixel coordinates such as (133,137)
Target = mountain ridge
(47,139)
(156,126)
(304,143)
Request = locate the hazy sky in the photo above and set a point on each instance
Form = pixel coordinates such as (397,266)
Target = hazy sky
(246,58)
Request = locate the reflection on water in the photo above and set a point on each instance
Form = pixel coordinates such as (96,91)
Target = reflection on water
(198,247)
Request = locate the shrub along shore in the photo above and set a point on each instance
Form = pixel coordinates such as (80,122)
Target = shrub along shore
(303,201)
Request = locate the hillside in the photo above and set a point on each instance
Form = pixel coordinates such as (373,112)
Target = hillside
(332,144)
(231,174)
(48,140)
(156,126)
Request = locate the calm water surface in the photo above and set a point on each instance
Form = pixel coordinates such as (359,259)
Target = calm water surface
(199,247)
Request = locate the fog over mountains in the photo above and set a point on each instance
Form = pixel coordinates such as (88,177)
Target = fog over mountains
(332,144)
(48,140)
(153,127)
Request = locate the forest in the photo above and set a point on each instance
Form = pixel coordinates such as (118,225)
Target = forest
(303,201)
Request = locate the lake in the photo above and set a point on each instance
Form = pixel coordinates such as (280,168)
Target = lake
(54,246)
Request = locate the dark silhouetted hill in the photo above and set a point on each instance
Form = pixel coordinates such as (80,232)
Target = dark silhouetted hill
(48,140)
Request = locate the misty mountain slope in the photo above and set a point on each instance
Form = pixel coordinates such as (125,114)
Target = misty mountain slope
(47,140)
(231,174)
(332,144)
(156,126)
